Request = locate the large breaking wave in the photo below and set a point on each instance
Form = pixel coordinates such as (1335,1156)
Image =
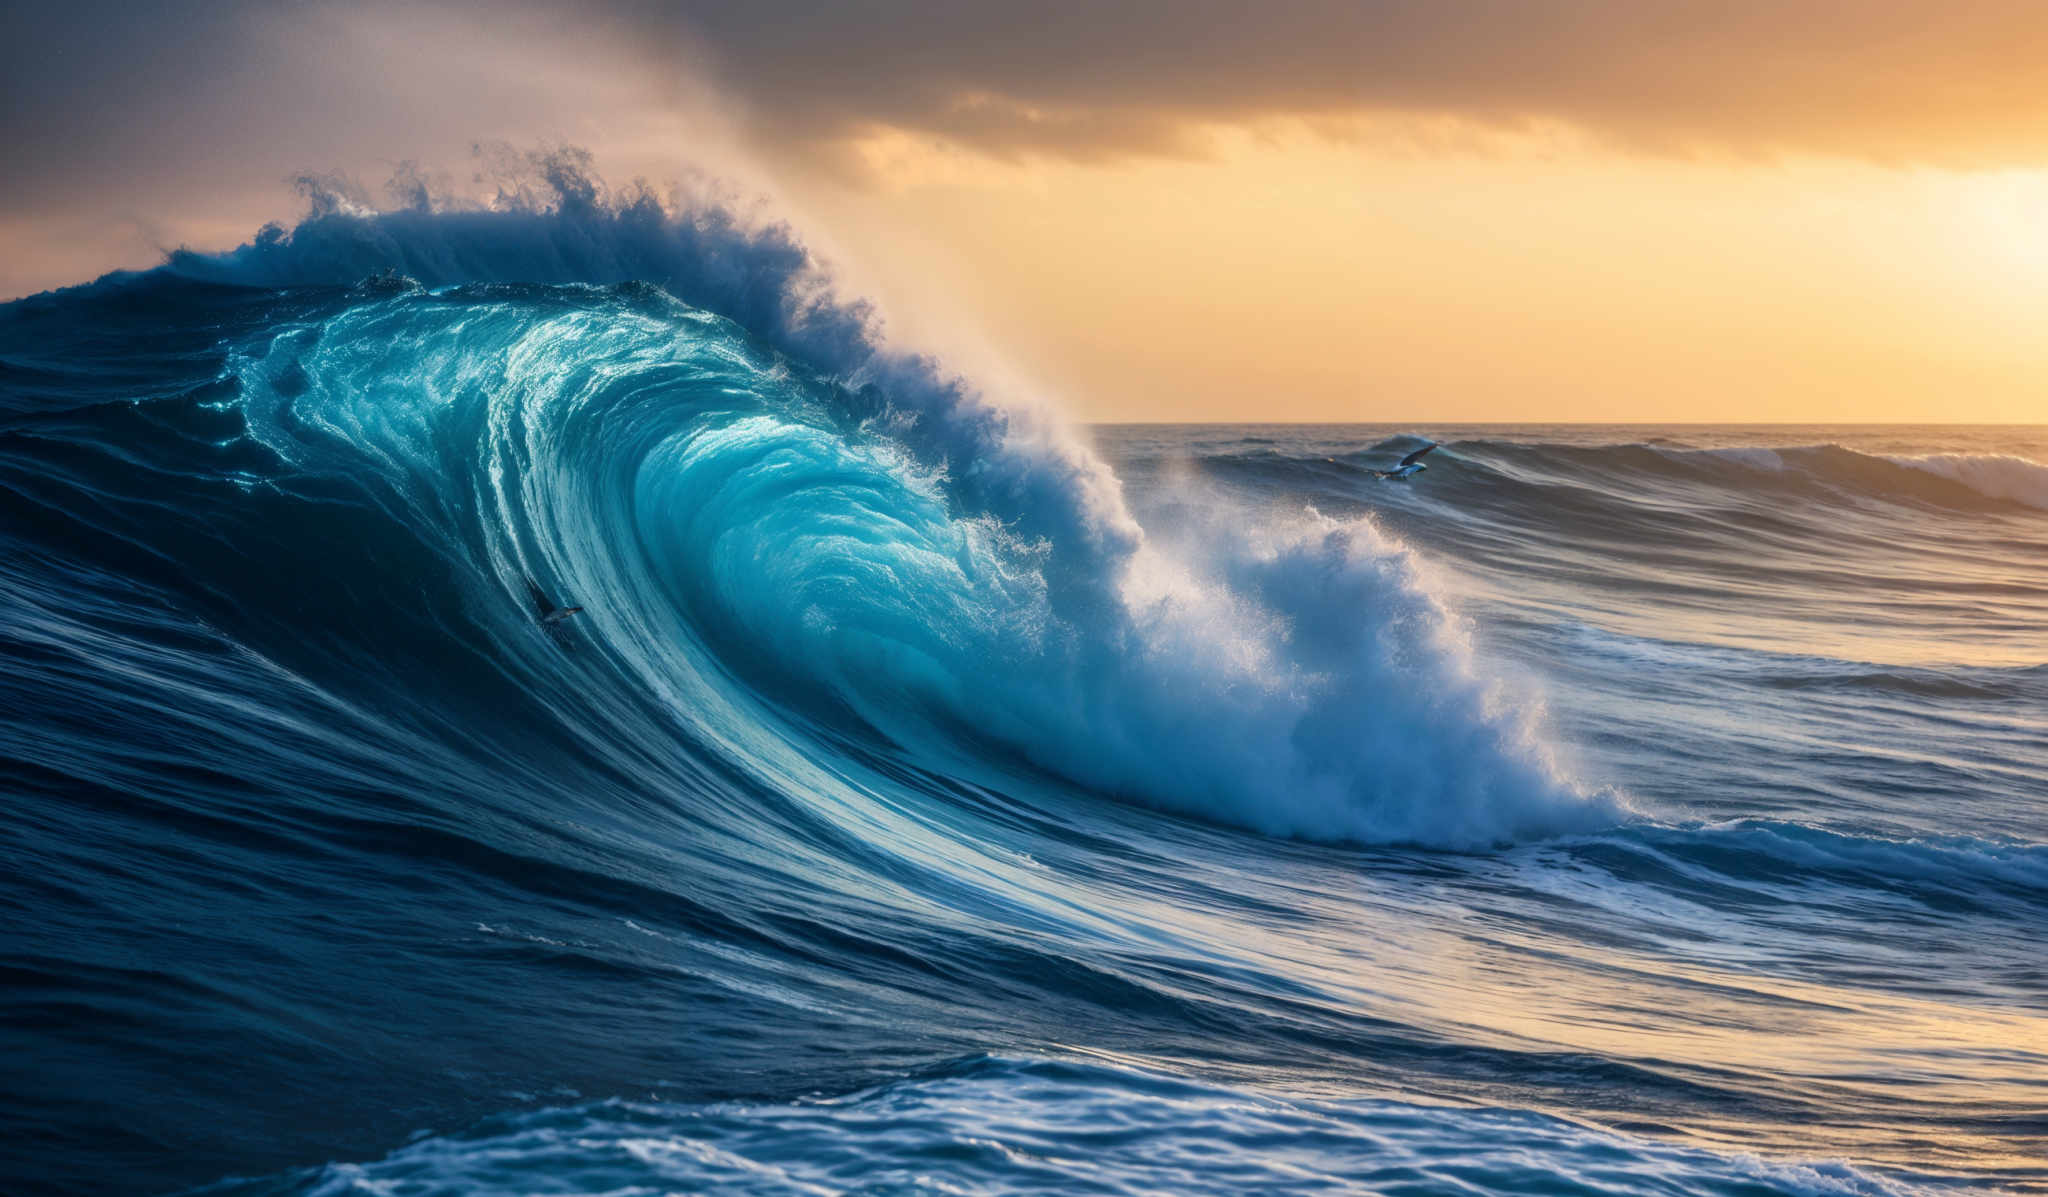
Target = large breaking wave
(709,449)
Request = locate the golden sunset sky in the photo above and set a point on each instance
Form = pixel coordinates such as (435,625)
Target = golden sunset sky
(1453,211)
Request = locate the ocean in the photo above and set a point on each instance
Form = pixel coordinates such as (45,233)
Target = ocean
(936,795)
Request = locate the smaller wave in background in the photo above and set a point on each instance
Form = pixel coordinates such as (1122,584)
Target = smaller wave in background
(1997,475)
(1796,467)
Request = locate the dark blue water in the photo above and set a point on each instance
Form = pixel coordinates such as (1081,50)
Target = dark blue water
(935,797)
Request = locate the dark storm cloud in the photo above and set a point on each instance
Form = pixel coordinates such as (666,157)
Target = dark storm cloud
(1886,79)
(166,89)
(100,93)
(132,128)
(168,120)
(95,81)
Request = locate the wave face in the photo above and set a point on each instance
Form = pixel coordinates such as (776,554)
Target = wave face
(1684,786)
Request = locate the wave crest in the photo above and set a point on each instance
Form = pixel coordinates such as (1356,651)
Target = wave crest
(1995,475)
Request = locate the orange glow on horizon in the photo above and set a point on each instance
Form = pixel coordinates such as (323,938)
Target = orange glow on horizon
(1292,276)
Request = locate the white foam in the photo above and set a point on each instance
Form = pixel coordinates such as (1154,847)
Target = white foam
(2000,477)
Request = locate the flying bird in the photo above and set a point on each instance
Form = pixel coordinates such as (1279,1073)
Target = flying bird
(544,608)
(550,614)
(1410,465)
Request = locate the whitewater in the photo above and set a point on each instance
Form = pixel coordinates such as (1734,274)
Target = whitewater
(936,795)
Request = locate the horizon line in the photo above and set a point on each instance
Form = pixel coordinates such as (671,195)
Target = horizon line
(1631,423)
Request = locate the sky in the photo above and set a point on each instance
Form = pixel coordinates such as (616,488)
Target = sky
(1423,210)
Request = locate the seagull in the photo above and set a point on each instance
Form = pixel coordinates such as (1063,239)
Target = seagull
(550,616)
(545,609)
(1410,465)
